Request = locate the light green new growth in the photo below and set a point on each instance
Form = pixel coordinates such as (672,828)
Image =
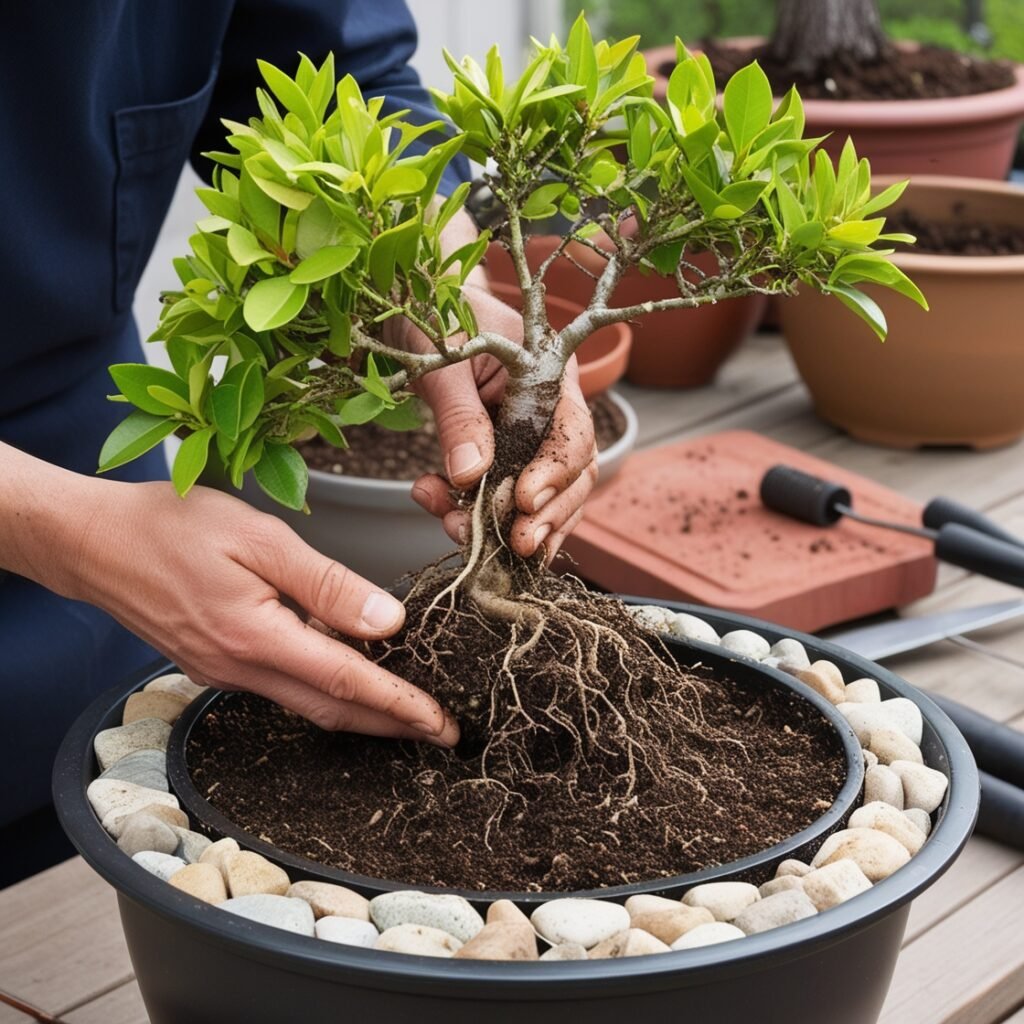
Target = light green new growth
(323,226)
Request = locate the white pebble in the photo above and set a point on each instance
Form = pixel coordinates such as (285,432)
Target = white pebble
(890,745)
(163,865)
(111,745)
(923,787)
(775,911)
(451,914)
(708,935)
(791,652)
(177,683)
(878,855)
(897,713)
(780,884)
(653,616)
(349,931)
(792,867)
(631,942)
(725,900)
(886,818)
(863,691)
(835,883)
(689,627)
(922,819)
(870,759)
(284,912)
(647,903)
(747,644)
(113,799)
(586,922)
(419,940)
(565,951)
(882,783)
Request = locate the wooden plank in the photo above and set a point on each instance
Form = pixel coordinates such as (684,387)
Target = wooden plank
(9,1015)
(62,943)
(982,864)
(121,1006)
(969,968)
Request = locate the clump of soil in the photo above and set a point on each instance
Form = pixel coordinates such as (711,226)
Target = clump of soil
(961,236)
(929,72)
(570,775)
(380,454)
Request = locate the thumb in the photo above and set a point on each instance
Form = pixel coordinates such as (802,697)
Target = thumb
(327,590)
(464,429)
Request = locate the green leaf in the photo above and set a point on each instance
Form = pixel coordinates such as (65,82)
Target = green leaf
(169,399)
(134,379)
(542,201)
(190,460)
(582,62)
(884,198)
(283,475)
(863,305)
(361,409)
(273,302)
(325,425)
(293,198)
(405,416)
(290,95)
(396,247)
(858,232)
(874,267)
(396,183)
(747,105)
(244,246)
(220,205)
(262,212)
(134,436)
(324,263)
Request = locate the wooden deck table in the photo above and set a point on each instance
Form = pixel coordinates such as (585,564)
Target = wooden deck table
(61,948)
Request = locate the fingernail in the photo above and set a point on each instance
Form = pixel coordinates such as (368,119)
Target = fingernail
(381,611)
(463,459)
(429,730)
(544,497)
(541,533)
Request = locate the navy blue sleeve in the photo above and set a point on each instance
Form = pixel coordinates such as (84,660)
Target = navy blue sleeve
(373,40)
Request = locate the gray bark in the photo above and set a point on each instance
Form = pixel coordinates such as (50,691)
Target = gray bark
(811,33)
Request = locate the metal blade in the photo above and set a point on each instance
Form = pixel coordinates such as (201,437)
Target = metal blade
(889,638)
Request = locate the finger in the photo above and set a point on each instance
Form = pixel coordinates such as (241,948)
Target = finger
(529,532)
(456,525)
(300,653)
(563,455)
(433,493)
(554,543)
(324,588)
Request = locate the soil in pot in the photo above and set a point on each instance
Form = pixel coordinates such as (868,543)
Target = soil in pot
(928,72)
(962,236)
(376,453)
(727,770)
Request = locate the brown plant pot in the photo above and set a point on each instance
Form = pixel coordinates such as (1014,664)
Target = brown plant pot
(954,376)
(681,348)
(973,136)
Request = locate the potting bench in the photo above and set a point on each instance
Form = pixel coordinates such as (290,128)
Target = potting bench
(61,947)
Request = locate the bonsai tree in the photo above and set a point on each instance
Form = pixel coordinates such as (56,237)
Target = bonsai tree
(324,225)
(811,34)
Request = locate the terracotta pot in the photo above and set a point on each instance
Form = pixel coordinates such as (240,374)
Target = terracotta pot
(602,357)
(954,376)
(973,136)
(659,358)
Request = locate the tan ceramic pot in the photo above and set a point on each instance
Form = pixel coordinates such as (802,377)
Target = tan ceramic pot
(672,349)
(954,376)
(974,136)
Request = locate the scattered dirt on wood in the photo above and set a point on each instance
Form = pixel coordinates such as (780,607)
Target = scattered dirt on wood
(927,73)
(961,236)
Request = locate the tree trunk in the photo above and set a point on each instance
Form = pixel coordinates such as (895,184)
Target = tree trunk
(811,34)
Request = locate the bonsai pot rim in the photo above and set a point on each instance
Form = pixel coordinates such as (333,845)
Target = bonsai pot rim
(468,979)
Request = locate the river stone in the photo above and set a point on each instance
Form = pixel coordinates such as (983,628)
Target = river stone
(882,783)
(897,713)
(923,787)
(143,768)
(250,874)
(216,854)
(870,759)
(146,832)
(451,914)
(565,951)
(822,682)
(348,931)
(790,652)
(877,854)
(668,925)
(725,900)
(329,900)
(191,845)
(835,883)
(203,881)
(708,935)
(506,911)
(922,819)
(419,940)
(501,940)
(747,644)
(684,626)
(112,798)
(177,683)
(146,734)
(282,912)
(153,704)
(631,942)
(644,902)
(116,823)
(886,818)
(780,884)
(863,691)
(587,922)
(792,867)
(890,745)
(775,911)
(163,865)
(653,616)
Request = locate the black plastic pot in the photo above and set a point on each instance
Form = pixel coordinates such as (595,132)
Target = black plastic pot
(199,965)
(757,868)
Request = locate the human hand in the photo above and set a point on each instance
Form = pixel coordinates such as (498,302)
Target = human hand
(206,581)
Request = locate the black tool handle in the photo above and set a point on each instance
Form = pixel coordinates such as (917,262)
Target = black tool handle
(998,749)
(962,546)
(1001,816)
(941,511)
(799,495)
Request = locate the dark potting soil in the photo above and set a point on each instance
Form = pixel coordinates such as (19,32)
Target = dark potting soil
(764,764)
(380,454)
(961,236)
(926,73)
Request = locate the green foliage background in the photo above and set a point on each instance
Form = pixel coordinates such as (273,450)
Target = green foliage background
(933,21)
